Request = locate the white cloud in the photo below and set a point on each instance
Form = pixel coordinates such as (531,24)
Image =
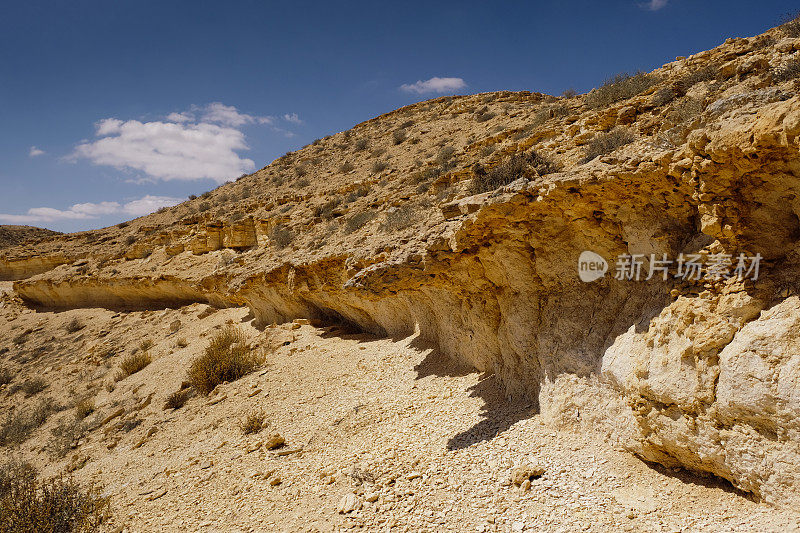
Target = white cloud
(228,115)
(655,5)
(434,85)
(148,204)
(168,150)
(180,117)
(33,152)
(293,118)
(135,208)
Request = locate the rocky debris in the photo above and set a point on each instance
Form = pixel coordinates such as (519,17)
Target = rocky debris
(274,441)
(349,503)
(526,473)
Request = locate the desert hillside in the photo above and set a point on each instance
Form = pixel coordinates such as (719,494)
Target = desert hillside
(16,235)
(415,344)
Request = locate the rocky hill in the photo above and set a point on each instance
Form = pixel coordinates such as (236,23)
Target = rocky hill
(446,239)
(16,235)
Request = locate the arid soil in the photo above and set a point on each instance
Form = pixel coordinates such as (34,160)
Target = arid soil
(432,360)
(387,427)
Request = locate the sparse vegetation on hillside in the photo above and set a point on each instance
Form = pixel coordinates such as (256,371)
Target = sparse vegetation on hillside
(281,235)
(18,426)
(177,399)
(253,422)
(605,143)
(74,325)
(226,358)
(791,25)
(133,363)
(517,166)
(29,504)
(358,220)
(84,408)
(620,87)
(788,71)
(398,136)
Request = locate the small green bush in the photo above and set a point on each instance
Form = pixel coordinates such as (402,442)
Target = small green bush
(361,144)
(226,358)
(379,166)
(620,87)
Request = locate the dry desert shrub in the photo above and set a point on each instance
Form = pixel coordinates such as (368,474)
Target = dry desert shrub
(18,426)
(518,165)
(177,399)
(252,423)
(281,235)
(605,143)
(84,408)
(620,87)
(29,504)
(6,375)
(398,136)
(359,220)
(74,325)
(399,218)
(788,71)
(132,364)
(33,386)
(226,358)
(791,25)
(483,114)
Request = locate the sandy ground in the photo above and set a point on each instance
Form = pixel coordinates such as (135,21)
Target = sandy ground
(384,429)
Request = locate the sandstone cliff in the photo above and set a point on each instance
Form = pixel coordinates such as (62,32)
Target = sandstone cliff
(386,227)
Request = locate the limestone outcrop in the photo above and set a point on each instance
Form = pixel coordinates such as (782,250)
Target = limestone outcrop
(697,372)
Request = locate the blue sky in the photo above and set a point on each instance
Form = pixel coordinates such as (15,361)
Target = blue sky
(111,109)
